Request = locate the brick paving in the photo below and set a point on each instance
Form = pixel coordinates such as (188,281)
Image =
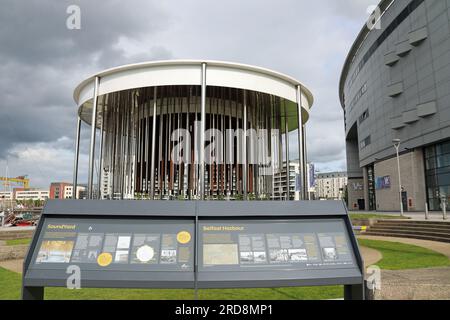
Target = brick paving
(416,284)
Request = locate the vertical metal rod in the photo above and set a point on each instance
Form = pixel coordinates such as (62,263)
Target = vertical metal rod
(195,152)
(75,164)
(100,161)
(397,147)
(426,211)
(160,150)
(169,146)
(189,128)
(147,129)
(152,188)
(141,145)
(196,240)
(166,145)
(223,171)
(305,166)
(202,134)
(178,167)
(92,146)
(230,151)
(238,148)
(301,143)
(244,147)
(444,208)
(272,143)
(286,142)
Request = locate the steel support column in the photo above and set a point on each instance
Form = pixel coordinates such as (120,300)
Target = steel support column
(75,164)
(92,145)
(305,166)
(100,158)
(286,142)
(301,143)
(202,134)
(152,168)
(244,148)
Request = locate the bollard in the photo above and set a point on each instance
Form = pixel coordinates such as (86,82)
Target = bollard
(444,208)
(426,211)
(369,292)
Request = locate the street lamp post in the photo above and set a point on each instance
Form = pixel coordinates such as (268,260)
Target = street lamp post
(396,143)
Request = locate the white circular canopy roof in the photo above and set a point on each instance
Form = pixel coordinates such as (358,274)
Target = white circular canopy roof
(188,72)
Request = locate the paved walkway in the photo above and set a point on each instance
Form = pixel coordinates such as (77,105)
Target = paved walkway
(415,284)
(12,265)
(440,247)
(370,256)
(17,228)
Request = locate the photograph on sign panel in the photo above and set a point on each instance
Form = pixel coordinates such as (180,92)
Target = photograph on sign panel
(220,254)
(55,251)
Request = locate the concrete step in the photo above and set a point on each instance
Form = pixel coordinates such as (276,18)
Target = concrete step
(421,237)
(435,233)
(439,224)
(425,230)
(412,228)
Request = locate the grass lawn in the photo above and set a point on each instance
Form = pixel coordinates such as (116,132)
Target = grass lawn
(10,290)
(15,242)
(374,216)
(397,256)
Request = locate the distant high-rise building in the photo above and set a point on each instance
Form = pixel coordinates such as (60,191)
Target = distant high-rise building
(31,194)
(57,190)
(64,190)
(281,181)
(331,185)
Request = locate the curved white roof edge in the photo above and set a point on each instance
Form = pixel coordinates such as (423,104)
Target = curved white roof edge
(232,65)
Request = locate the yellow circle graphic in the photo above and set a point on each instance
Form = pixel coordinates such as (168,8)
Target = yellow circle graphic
(183,237)
(104,259)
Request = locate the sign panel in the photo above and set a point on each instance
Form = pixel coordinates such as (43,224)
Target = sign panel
(382,182)
(260,245)
(115,244)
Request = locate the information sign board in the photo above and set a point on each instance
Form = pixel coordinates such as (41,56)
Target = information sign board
(162,244)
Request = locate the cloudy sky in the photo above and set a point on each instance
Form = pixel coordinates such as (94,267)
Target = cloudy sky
(41,62)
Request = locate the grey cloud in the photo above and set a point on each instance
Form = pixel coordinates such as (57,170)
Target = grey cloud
(35,32)
(42,61)
(353,9)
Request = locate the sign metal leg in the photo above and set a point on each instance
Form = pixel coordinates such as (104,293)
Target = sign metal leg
(32,293)
(354,292)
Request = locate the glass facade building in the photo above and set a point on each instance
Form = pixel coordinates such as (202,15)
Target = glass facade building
(437,165)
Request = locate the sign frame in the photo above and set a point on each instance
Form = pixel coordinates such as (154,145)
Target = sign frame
(33,283)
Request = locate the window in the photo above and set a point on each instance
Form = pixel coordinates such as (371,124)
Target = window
(364,116)
(371,187)
(364,143)
(358,95)
(387,32)
(437,170)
